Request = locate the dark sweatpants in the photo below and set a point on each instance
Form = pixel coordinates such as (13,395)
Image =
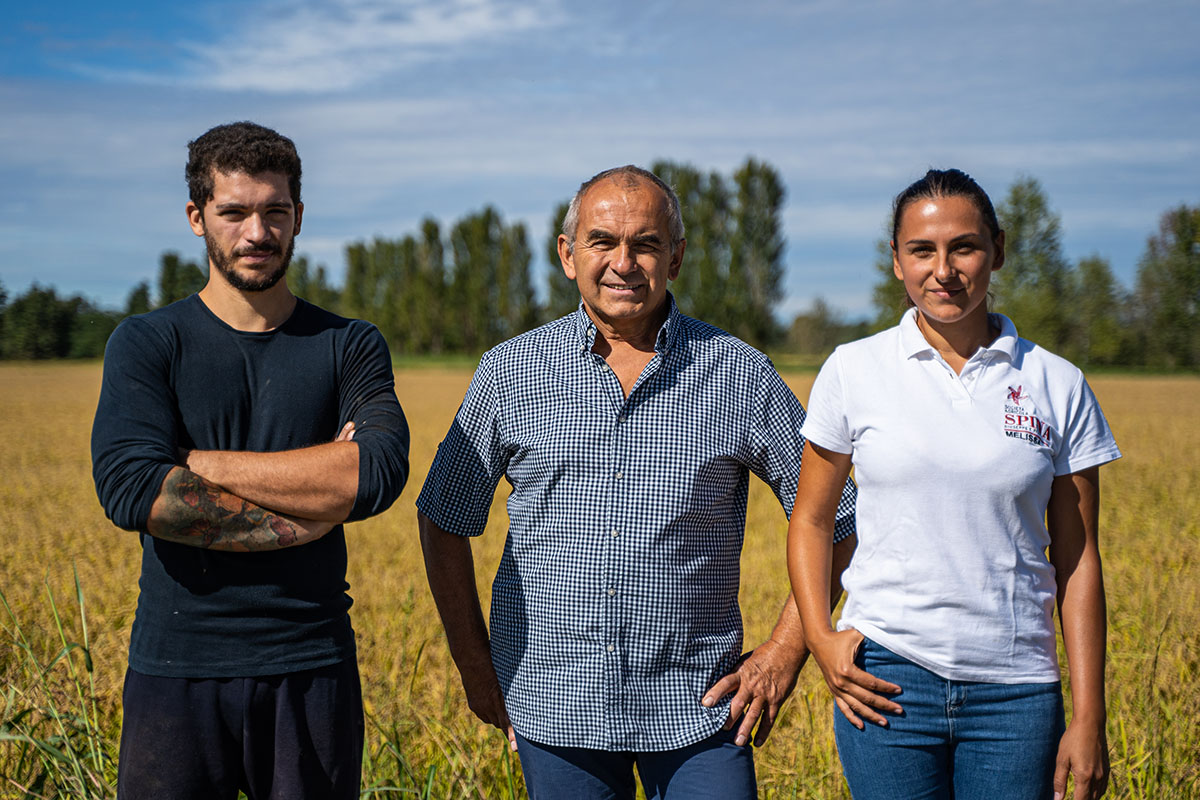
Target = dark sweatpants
(292,736)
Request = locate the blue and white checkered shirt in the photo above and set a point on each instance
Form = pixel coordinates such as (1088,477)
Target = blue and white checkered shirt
(615,606)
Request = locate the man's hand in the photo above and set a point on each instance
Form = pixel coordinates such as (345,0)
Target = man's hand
(762,681)
(450,568)
(485,699)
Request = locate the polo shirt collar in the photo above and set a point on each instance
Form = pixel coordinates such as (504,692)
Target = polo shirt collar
(668,335)
(913,343)
(1006,342)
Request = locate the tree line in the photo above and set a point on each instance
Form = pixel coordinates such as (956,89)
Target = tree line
(468,286)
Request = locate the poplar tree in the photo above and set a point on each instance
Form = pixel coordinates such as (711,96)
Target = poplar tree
(1034,287)
(312,285)
(1099,335)
(562,293)
(755,253)
(433,315)
(178,279)
(138,301)
(888,295)
(1168,291)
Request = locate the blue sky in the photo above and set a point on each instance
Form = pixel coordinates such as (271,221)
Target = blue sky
(438,107)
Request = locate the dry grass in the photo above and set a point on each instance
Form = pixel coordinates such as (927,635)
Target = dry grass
(423,738)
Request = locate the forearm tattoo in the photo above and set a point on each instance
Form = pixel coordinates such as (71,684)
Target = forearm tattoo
(199,513)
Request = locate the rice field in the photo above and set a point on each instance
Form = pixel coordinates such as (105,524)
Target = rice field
(61,704)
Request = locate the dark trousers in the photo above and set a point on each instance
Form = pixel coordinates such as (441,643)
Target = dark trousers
(293,736)
(715,768)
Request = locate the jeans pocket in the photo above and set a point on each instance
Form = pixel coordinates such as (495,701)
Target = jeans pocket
(860,654)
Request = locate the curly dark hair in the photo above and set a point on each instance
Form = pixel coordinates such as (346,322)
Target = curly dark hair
(240,147)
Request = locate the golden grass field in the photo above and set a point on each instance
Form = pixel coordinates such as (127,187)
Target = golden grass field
(422,738)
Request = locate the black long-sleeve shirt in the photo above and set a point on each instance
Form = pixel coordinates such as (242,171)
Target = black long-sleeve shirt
(179,377)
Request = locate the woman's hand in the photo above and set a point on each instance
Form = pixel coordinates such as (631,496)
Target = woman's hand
(854,690)
(1082,752)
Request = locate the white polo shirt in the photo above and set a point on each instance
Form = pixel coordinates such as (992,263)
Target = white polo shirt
(954,475)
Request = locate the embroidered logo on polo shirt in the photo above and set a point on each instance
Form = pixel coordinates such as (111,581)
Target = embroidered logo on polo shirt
(1021,422)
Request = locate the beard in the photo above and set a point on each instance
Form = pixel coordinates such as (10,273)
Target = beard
(223,261)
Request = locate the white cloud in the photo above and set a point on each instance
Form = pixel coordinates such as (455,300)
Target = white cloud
(295,46)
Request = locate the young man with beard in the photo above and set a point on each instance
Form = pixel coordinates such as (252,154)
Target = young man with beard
(237,430)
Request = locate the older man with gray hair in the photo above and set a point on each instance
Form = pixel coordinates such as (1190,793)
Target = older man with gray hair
(627,431)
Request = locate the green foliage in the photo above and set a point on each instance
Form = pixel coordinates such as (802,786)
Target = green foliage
(1168,291)
(705,201)
(402,286)
(1098,332)
(819,330)
(178,279)
(466,288)
(427,322)
(887,295)
(563,296)
(38,325)
(138,301)
(90,329)
(52,743)
(733,265)
(1034,286)
(312,285)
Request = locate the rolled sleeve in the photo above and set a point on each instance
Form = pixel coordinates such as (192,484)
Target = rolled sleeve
(135,431)
(368,398)
(470,461)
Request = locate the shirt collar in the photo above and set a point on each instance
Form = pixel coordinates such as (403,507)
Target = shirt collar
(667,338)
(913,342)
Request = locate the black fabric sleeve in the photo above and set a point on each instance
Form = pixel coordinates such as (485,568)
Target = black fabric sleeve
(368,397)
(135,431)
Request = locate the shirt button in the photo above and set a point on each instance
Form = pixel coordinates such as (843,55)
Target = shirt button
(619,475)
(612,592)
(603,367)
(611,648)
(621,418)
(614,533)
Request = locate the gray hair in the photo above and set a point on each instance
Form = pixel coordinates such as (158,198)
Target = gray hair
(570,225)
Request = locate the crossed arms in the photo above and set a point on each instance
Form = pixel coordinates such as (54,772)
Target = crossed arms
(241,500)
(246,501)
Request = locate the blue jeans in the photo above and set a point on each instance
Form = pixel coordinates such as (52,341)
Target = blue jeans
(956,740)
(714,768)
